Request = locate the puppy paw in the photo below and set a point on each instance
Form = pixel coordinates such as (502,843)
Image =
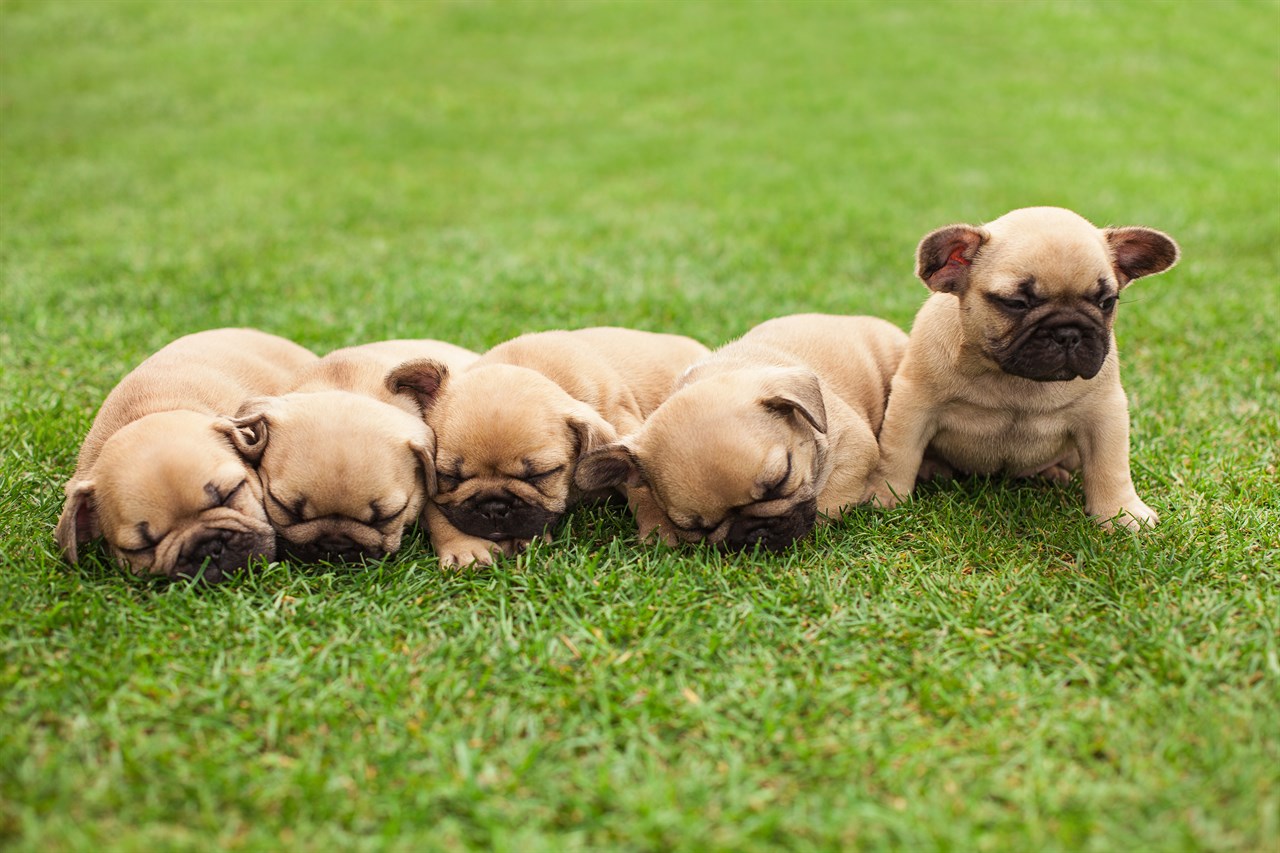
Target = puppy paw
(883,497)
(468,552)
(659,531)
(1057,475)
(1133,516)
(934,469)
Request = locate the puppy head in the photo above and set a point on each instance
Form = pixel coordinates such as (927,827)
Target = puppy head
(170,497)
(737,459)
(1038,286)
(342,474)
(508,442)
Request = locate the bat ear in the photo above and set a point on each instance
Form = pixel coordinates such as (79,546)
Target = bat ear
(944,257)
(607,467)
(1137,252)
(797,393)
(248,433)
(420,379)
(79,520)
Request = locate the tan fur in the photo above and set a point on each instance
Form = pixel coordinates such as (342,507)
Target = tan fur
(955,397)
(533,406)
(154,463)
(711,463)
(344,457)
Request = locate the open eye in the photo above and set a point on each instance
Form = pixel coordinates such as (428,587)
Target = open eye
(1013,303)
(1106,303)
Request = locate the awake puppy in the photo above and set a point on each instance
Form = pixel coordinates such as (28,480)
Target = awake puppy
(770,432)
(345,460)
(156,477)
(1012,364)
(511,428)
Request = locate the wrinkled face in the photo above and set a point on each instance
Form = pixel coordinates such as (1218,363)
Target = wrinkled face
(507,442)
(729,471)
(1043,303)
(342,474)
(173,498)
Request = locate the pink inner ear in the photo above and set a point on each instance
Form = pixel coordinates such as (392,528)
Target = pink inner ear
(957,258)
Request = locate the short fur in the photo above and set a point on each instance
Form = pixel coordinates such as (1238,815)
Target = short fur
(344,457)
(763,437)
(1012,364)
(157,479)
(511,428)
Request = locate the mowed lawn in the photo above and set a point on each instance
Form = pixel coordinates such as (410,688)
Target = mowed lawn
(982,669)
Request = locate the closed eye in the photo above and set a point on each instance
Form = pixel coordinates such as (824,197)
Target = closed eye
(534,478)
(1013,303)
(448,482)
(380,519)
(293,513)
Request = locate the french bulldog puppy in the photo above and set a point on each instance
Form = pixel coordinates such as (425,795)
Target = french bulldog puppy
(1012,364)
(772,431)
(511,428)
(158,480)
(345,460)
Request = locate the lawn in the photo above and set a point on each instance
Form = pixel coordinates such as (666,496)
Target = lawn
(981,669)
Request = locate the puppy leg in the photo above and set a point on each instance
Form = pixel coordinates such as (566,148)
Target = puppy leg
(908,426)
(455,548)
(1109,495)
(854,456)
(650,518)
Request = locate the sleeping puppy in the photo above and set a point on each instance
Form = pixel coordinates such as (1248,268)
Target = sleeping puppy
(1012,365)
(345,460)
(511,428)
(770,432)
(156,477)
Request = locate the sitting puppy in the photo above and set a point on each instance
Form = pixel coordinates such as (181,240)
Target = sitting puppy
(511,428)
(759,439)
(157,479)
(345,461)
(1012,364)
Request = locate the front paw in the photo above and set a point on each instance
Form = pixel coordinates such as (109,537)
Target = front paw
(657,529)
(464,552)
(1134,515)
(882,496)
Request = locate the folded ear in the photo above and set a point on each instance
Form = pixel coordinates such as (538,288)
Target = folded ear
(592,430)
(944,257)
(796,392)
(607,467)
(1140,251)
(248,434)
(420,379)
(79,520)
(426,451)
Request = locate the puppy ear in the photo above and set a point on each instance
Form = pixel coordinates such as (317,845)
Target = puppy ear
(1140,251)
(607,467)
(797,392)
(248,434)
(79,520)
(944,257)
(426,451)
(421,379)
(592,430)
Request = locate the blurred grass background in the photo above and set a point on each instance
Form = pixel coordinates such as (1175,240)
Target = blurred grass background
(980,670)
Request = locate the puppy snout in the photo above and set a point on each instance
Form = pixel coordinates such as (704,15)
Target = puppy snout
(1067,336)
(213,559)
(334,548)
(496,508)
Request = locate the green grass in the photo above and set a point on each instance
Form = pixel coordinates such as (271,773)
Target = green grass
(982,669)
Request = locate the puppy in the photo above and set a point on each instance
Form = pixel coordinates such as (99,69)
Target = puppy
(511,428)
(1012,365)
(345,460)
(761,438)
(156,477)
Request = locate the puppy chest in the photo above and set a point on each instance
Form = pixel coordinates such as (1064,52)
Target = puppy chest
(984,441)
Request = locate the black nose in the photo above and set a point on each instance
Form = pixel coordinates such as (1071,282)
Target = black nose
(1067,336)
(496,509)
(332,548)
(772,533)
(210,559)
